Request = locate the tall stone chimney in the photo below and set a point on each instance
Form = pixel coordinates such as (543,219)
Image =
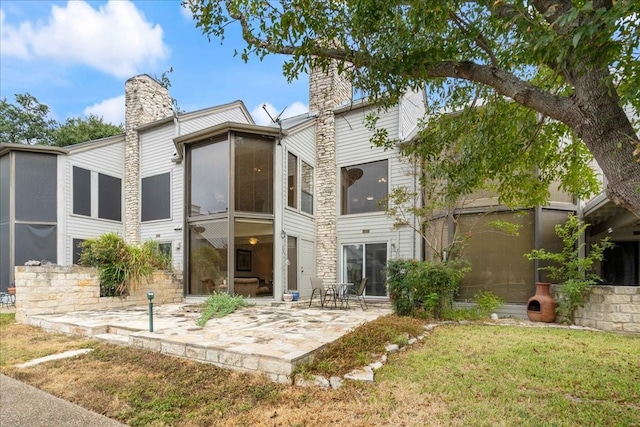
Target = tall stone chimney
(146,101)
(327,90)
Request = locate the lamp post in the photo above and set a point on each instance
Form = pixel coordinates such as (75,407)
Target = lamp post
(150,298)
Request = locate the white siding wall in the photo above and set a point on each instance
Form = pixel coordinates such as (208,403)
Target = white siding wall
(233,114)
(411,109)
(354,147)
(108,160)
(302,144)
(156,154)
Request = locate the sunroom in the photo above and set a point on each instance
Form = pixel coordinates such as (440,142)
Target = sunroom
(230,200)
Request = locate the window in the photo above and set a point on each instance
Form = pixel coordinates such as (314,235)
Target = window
(253,174)
(109,200)
(304,172)
(109,197)
(81,191)
(209,178)
(306,193)
(292,180)
(364,188)
(76,247)
(36,183)
(156,197)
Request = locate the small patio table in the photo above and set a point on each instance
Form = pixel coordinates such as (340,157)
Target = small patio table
(335,292)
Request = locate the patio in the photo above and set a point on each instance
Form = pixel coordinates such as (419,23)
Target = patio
(269,339)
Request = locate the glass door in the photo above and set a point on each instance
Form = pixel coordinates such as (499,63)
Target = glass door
(365,260)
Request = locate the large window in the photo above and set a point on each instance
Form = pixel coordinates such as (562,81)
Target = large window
(209,178)
(208,257)
(109,200)
(81,191)
(364,188)
(299,176)
(231,249)
(109,197)
(156,197)
(253,174)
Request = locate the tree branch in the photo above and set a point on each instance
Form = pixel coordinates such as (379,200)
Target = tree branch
(479,40)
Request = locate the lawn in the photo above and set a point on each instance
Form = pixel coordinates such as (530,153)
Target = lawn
(472,374)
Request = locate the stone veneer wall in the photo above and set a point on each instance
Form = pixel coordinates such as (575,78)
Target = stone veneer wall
(610,308)
(146,100)
(327,91)
(62,289)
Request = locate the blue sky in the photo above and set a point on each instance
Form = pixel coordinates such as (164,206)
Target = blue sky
(75,57)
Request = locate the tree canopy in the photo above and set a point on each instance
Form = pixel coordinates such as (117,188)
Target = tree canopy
(28,122)
(80,129)
(521,93)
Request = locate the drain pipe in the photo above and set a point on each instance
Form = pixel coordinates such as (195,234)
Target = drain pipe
(150,298)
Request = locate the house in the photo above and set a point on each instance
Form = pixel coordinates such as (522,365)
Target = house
(259,210)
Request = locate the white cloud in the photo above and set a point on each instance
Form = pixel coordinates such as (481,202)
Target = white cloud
(115,38)
(262,118)
(111,110)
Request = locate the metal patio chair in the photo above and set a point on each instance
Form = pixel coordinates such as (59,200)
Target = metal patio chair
(317,286)
(358,293)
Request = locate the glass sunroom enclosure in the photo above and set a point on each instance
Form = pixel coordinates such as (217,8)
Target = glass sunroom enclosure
(229,211)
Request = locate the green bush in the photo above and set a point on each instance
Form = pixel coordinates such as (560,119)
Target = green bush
(220,304)
(423,288)
(121,267)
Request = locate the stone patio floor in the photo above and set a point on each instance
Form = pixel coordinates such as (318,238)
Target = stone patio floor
(269,339)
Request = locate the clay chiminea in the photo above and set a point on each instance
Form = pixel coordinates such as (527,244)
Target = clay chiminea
(542,307)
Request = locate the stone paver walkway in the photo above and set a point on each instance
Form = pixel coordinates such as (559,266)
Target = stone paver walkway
(266,339)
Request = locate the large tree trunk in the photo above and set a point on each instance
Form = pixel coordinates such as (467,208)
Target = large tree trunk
(606,130)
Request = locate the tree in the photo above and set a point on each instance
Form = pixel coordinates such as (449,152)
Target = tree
(79,129)
(552,78)
(26,121)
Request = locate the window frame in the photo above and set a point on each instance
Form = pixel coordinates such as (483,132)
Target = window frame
(161,193)
(345,209)
(298,187)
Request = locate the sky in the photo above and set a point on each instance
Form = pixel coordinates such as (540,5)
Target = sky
(75,57)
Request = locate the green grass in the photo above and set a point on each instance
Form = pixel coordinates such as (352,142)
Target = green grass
(473,374)
(7,318)
(526,376)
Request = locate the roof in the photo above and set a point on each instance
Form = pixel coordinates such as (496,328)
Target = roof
(6,147)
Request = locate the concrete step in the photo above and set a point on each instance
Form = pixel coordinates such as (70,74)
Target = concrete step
(113,338)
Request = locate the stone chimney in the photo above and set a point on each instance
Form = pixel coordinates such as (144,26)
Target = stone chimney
(146,101)
(327,90)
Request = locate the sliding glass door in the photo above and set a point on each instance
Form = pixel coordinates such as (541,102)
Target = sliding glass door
(365,260)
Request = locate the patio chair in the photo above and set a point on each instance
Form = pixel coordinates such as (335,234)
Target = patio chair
(317,286)
(358,293)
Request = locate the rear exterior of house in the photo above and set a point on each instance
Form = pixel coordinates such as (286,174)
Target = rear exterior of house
(259,210)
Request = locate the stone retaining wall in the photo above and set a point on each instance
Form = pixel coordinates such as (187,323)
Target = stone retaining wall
(61,289)
(611,308)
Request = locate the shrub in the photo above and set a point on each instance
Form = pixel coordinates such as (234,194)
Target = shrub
(220,304)
(423,288)
(121,267)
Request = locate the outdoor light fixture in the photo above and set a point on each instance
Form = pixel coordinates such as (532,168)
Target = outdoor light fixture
(150,296)
(253,241)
